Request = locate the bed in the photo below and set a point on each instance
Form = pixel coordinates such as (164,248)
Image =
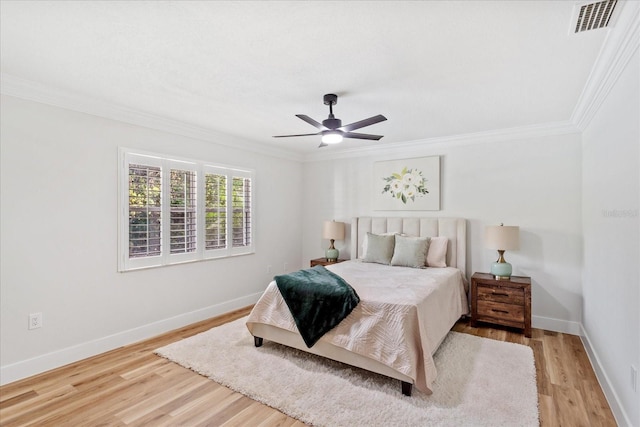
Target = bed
(404,313)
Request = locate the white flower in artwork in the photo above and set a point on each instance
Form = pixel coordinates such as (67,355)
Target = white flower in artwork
(406,185)
(409,179)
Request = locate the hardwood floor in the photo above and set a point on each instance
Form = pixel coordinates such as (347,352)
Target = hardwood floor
(133,386)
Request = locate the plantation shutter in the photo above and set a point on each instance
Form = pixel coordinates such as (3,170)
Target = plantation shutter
(180,222)
(183,230)
(241,194)
(215,211)
(145,210)
(141,206)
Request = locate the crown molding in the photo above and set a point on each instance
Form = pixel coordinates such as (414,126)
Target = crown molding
(621,43)
(32,91)
(510,134)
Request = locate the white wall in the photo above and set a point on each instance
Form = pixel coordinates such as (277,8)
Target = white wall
(59,236)
(611,193)
(534,183)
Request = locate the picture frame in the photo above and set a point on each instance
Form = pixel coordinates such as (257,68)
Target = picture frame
(407,184)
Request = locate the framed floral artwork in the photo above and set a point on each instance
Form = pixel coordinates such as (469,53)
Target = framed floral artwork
(407,184)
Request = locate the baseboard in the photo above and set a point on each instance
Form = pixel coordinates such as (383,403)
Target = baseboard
(56,359)
(609,392)
(556,325)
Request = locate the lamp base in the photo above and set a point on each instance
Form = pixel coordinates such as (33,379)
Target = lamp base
(331,255)
(501,270)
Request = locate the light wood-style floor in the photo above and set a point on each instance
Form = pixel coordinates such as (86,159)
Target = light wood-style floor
(133,386)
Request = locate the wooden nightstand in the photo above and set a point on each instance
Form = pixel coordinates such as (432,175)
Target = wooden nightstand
(323,262)
(501,302)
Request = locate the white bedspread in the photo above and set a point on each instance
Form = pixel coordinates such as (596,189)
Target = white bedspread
(403,315)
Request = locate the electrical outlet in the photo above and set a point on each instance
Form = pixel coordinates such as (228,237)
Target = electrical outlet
(634,378)
(285,267)
(35,320)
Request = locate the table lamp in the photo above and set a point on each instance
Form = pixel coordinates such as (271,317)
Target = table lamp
(332,230)
(501,238)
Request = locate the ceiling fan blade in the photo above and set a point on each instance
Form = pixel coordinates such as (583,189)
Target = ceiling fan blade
(322,144)
(361,136)
(311,121)
(362,123)
(302,134)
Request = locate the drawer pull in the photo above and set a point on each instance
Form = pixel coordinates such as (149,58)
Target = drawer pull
(500,311)
(500,294)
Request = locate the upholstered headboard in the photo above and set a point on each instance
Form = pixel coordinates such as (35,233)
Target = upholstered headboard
(454,228)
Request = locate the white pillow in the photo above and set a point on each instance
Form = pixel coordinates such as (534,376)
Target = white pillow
(410,251)
(379,248)
(437,253)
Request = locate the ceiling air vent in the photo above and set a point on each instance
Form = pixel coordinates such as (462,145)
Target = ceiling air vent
(592,16)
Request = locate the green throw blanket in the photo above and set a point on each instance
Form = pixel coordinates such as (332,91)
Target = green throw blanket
(318,300)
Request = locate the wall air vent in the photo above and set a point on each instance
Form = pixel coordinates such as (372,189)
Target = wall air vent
(592,16)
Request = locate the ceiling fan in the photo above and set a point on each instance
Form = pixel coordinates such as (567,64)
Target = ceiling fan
(331,128)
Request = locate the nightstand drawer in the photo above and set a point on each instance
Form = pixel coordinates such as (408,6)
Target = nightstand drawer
(500,294)
(505,312)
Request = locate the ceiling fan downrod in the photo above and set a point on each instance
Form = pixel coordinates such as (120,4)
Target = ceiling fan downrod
(332,123)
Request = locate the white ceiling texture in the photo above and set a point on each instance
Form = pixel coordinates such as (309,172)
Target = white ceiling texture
(435,69)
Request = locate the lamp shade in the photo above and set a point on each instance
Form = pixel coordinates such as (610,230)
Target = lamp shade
(502,237)
(333,230)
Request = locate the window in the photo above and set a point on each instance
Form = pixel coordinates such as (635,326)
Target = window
(215,211)
(183,211)
(241,196)
(145,215)
(175,210)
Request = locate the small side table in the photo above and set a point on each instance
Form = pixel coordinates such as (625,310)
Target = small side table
(323,262)
(501,302)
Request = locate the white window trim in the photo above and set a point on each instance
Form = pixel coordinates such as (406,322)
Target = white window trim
(166,163)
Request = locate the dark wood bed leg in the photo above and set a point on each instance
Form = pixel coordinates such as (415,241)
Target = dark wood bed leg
(406,388)
(257,341)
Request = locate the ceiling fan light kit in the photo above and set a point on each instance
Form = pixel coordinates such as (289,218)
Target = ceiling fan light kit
(331,128)
(331,137)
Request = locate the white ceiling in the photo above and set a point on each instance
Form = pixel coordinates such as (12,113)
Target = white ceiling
(244,68)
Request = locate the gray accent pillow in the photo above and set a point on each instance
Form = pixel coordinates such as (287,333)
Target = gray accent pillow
(410,251)
(366,241)
(379,248)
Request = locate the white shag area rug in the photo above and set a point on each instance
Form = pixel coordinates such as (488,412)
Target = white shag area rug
(481,382)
